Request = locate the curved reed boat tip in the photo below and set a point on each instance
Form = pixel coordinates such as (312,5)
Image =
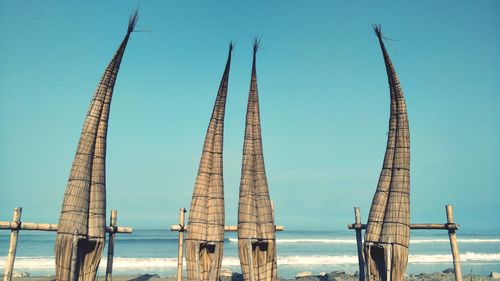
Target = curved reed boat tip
(378,30)
(256,44)
(134,17)
(387,234)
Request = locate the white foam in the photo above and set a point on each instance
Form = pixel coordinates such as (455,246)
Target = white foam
(466,240)
(31,262)
(352,241)
(445,258)
(124,264)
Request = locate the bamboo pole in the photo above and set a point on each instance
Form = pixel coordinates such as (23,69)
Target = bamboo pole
(228,228)
(197,262)
(250,258)
(414,226)
(121,229)
(14,234)
(453,243)
(17,225)
(451,226)
(182,216)
(111,246)
(359,242)
(388,262)
(74,257)
(53,227)
(272,208)
(28,226)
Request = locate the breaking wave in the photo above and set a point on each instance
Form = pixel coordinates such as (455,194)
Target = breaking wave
(124,264)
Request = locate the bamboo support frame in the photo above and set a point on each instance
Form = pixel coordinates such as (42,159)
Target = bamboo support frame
(16,225)
(227,228)
(74,257)
(453,243)
(180,252)
(111,246)
(451,226)
(53,227)
(388,261)
(416,226)
(359,242)
(14,234)
(181,227)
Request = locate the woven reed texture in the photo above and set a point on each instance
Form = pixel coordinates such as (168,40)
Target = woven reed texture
(256,228)
(388,227)
(84,204)
(258,259)
(205,238)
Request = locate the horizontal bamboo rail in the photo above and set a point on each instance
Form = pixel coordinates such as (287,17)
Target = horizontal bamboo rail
(53,227)
(227,228)
(451,226)
(448,226)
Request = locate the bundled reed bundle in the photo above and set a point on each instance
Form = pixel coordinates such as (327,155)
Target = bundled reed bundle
(205,236)
(84,206)
(388,229)
(256,228)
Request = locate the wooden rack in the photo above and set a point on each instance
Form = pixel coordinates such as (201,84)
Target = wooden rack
(181,227)
(16,225)
(451,226)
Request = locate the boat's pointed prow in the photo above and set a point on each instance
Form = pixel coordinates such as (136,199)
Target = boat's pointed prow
(388,232)
(82,223)
(256,228)
(256,45)
(205,236)
(377,28)
(134,17)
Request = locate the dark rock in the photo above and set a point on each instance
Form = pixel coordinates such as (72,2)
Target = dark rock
(449,270)
(237,276)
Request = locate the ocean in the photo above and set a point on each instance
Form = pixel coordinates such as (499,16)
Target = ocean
(155,252)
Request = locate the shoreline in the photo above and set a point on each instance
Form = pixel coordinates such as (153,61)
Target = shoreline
(226,275)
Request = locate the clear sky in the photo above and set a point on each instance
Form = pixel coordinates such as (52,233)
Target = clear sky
(323,94)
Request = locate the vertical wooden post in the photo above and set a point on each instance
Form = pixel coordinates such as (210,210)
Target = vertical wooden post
(359,242)
(182,214)
(74,257)
(272,212)
(388,261)
(14,234)
(453,243)
(111,245)
(250,259)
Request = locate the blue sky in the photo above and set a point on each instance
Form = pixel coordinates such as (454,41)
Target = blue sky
(323,93)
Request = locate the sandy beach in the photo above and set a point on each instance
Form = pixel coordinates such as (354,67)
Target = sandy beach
(338,275)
